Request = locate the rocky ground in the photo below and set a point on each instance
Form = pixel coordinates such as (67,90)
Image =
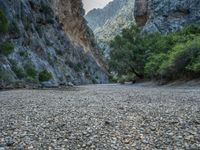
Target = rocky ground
(101,117)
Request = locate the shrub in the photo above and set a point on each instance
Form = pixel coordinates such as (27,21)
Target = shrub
(46,9)
(44,76)
(195,65)
(127,78)
(190,29)
(13,28)
(19,72)
(153,65)
(183,54)
(6,48)
(23,53)
(3,23)
(30,70)
(77,67)
(182,58)
(30,79)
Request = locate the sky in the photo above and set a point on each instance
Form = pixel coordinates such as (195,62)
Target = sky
(91,4)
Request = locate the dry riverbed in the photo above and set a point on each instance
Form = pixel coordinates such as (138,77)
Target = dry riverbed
(101,117)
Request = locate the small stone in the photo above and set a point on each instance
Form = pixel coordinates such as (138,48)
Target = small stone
(107,123)
(127,141)
(145,141)
(153,128)
(20,147)
(9,141)
(84,145)
(189,137)
(2,148)
(30,147)
(89,143)
(134,144)
(65,140)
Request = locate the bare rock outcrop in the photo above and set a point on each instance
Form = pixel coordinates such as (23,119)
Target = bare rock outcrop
(166,16)
(48,35)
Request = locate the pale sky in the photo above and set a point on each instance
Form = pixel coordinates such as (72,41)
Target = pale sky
(91,4)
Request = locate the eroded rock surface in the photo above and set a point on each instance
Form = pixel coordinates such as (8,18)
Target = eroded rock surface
(166,16)
(50,35)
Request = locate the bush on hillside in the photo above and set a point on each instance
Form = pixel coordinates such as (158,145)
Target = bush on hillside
(3,22)
(19,72)
(6,48)
(44,76)
(30,70)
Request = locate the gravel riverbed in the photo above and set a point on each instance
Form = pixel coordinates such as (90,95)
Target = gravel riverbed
(101,117)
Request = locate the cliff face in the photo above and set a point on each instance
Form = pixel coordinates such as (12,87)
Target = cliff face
(49,35)
(166,16)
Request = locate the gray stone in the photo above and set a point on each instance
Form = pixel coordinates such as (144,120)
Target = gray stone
(9,141)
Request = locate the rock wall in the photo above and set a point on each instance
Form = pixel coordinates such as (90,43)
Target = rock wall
(166,16)
(48,35)
(141,12)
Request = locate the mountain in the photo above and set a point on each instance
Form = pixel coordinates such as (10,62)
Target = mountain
(108,24)
(47,42)
(97,17)
(152,15)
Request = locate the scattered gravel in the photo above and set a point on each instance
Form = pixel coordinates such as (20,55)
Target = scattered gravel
(101,117)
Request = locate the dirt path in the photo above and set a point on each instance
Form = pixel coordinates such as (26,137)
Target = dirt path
(101,117)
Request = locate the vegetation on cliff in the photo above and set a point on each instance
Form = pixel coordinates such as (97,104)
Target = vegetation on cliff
(154,56)
(3,22)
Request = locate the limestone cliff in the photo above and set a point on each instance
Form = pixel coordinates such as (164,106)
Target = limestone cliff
(166,16)
(49,35)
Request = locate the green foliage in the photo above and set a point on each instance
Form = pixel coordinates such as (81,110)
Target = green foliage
(19,72)
(195,66)
(156,56)
(184,57)
(154,64)
(77,67)
(3,22)
(46,9)
(6,48)
(30,70)
(23,53)
(3,74)
(190,29)
(44,76)
(13,28)
(126,56)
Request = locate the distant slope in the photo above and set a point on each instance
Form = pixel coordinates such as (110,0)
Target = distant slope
(106,26)
(97,17)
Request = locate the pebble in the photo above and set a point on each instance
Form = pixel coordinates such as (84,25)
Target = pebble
(100,117)
(9,141)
